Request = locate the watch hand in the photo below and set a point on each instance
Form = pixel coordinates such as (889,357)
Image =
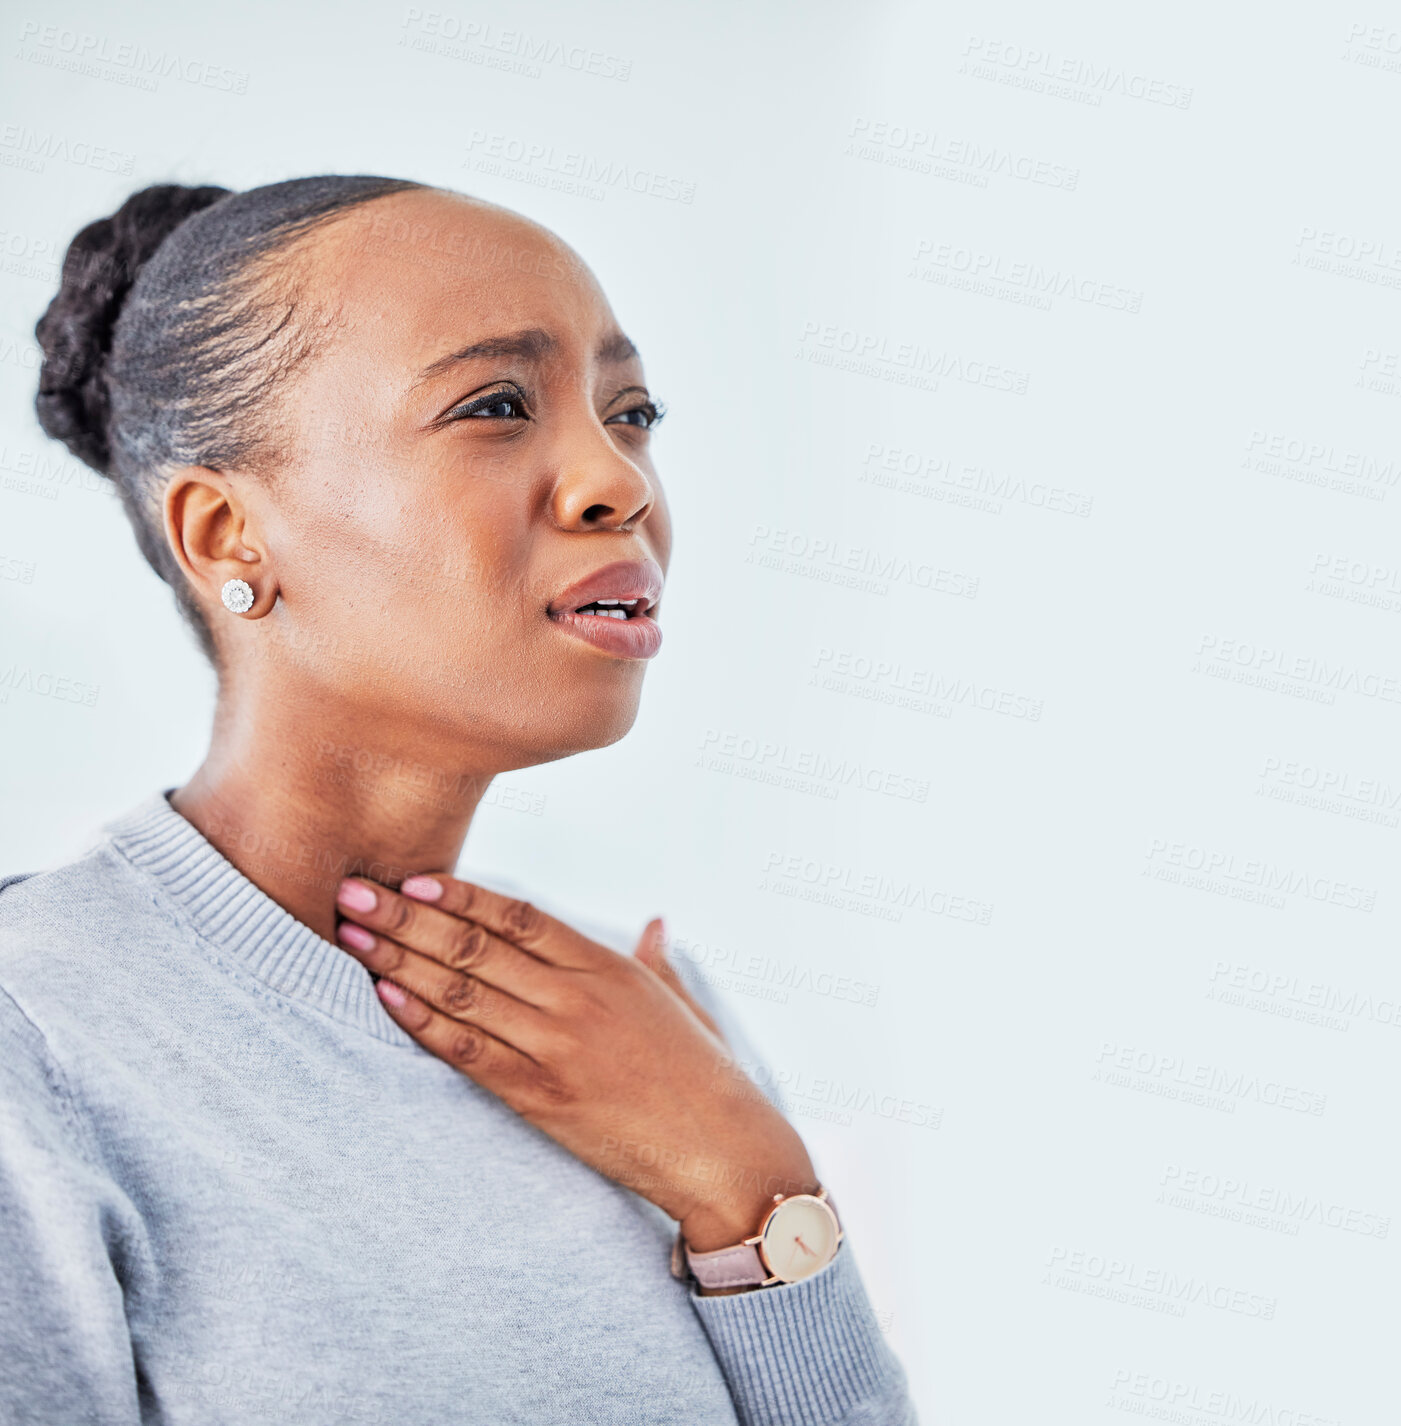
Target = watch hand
(798,1240)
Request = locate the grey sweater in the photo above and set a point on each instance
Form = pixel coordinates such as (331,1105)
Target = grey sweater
(233,1190)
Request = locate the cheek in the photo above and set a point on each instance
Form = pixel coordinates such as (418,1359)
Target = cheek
(407,562)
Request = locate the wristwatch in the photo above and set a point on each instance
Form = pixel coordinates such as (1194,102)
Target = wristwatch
(798,1236)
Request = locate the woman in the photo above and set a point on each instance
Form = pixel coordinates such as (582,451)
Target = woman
(298,1126)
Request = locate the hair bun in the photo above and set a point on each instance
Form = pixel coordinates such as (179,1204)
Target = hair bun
(75,333)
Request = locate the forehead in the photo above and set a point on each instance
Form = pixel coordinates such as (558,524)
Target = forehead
(424,272)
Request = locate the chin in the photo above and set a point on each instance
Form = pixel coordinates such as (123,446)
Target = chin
(552,725)
(605,725)
(580,726)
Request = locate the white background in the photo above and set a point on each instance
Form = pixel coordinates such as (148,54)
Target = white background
(1130,1143)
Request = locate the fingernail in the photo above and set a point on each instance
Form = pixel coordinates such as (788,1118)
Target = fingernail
(661,934)
(356,937)
(422,888)
(391,993)
(356,896)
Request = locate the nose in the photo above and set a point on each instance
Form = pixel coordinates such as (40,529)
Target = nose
(598,487)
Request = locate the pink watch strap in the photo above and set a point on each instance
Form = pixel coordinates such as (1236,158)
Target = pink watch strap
(739,1266)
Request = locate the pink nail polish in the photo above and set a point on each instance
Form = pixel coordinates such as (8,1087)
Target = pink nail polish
(355,937)
(422,888)
(391,993)
(356,896)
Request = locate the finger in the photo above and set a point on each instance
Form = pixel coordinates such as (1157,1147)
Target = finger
(457,944)
(479,1055)
(515,921)
(652,952)
(459,994)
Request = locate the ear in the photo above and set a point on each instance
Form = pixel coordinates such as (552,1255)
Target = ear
(211,532)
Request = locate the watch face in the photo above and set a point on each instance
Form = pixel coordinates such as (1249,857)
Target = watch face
(800,1238)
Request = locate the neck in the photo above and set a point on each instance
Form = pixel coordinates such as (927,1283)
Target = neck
(296,810)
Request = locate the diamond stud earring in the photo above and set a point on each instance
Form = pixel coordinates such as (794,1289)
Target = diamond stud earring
(237,595)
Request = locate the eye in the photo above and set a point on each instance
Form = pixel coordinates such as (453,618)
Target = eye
(644,416)
(507,405)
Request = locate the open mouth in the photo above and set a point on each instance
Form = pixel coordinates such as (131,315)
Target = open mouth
(613,609)
(616,608)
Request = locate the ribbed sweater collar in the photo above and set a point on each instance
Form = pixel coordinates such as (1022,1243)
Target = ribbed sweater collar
(233,914)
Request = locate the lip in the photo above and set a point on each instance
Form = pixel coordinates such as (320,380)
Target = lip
(637,637)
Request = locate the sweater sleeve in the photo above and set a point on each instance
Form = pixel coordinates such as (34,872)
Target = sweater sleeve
(807,1353)
(64,1339)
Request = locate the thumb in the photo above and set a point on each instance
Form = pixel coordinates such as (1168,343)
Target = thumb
(652,952)
(651,948)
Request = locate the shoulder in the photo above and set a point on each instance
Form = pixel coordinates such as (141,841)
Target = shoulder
(80,901)
(65,931)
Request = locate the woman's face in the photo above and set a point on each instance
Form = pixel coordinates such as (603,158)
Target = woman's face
(466,462)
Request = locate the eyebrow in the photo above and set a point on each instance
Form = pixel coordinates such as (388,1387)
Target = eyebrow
(615,348)
(531,345)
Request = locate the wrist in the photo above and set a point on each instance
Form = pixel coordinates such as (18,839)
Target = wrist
(708,1226)
(724,1222)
